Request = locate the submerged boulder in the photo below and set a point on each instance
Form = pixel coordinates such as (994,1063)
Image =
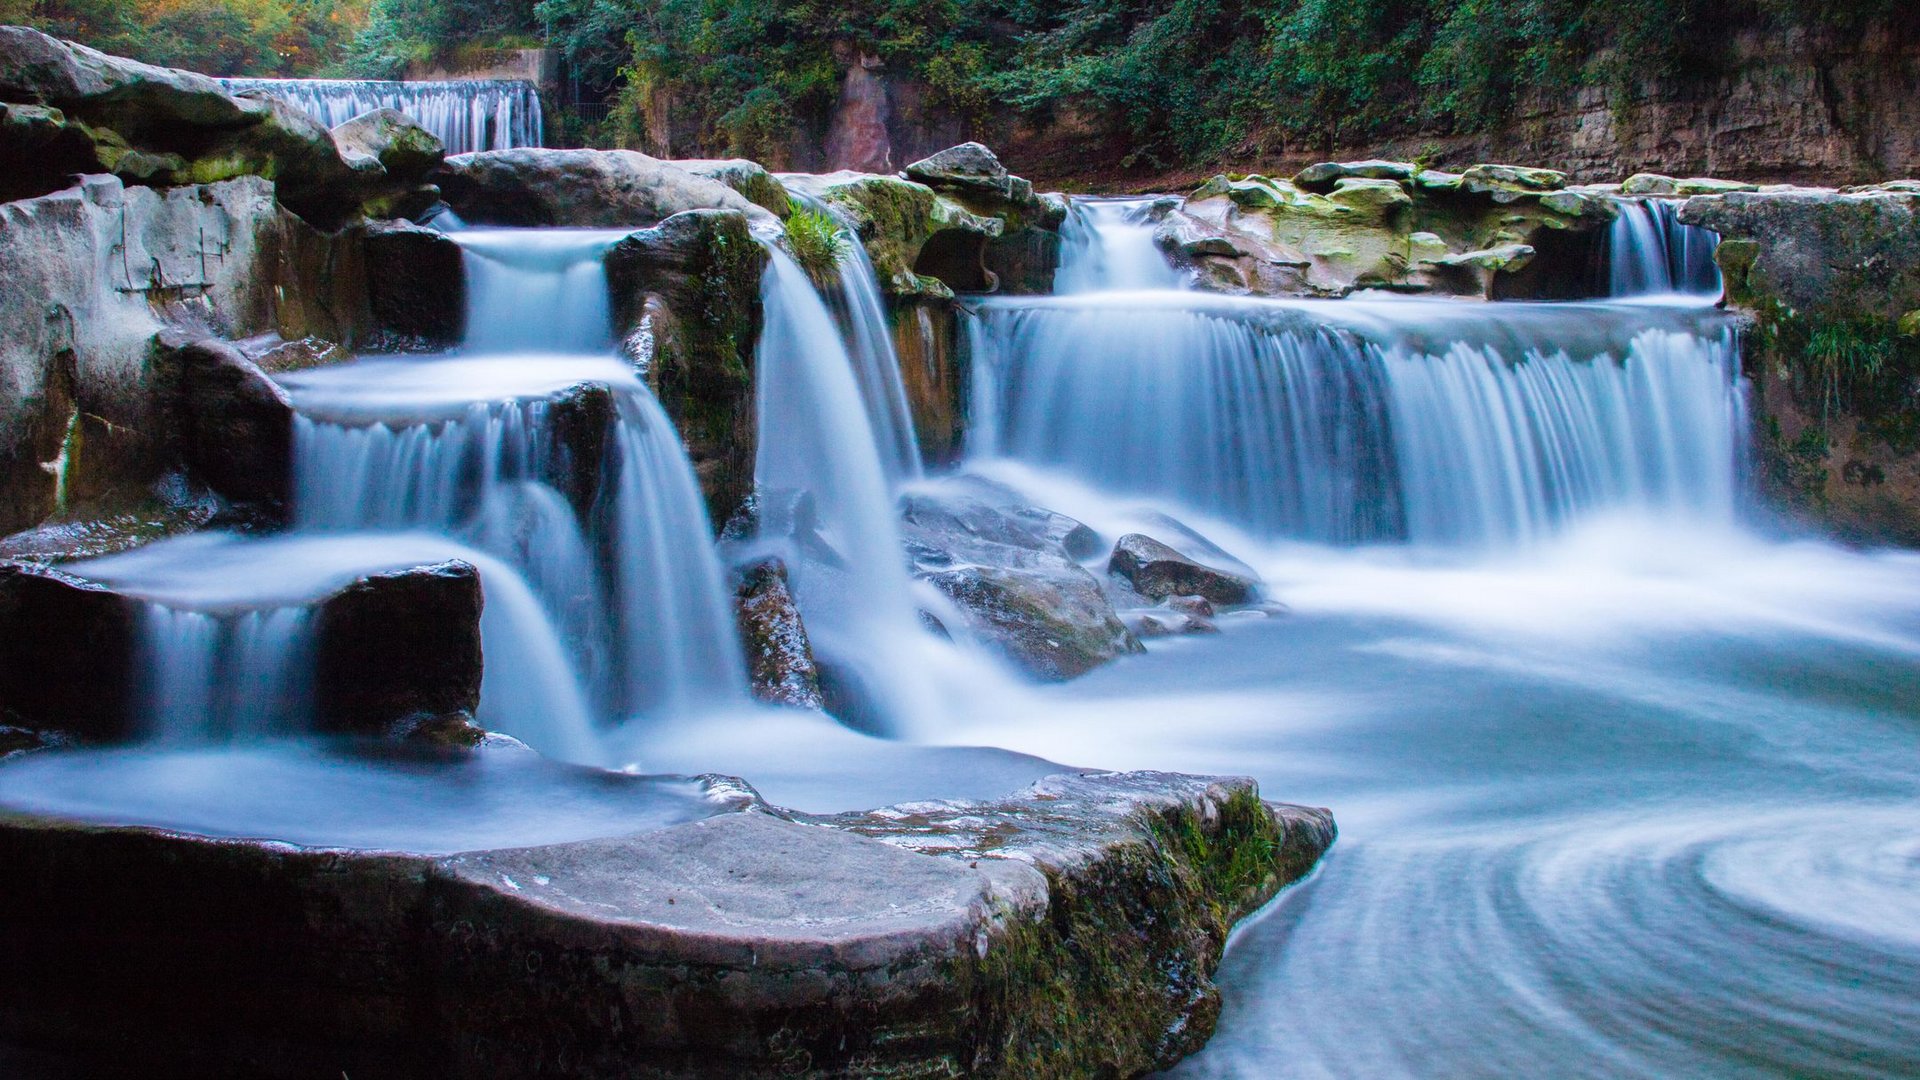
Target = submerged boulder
(597,188)
(780,665)
(1009,572)
(1158,571)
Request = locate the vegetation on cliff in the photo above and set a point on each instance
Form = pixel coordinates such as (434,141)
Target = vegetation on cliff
(1189,81)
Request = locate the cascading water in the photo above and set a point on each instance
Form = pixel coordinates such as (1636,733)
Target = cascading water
(1356,421)
(537,290)
(825,496)
(474,446)
(1107,246)
(1650,253)
(464,114)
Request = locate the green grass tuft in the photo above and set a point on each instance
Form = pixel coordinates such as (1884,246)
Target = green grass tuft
(816,242)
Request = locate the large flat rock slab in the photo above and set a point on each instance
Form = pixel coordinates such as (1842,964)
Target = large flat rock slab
(1071,929)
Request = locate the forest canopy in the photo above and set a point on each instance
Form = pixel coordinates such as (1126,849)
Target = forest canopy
(1187,80)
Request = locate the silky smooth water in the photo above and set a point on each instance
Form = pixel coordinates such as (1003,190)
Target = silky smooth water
(464,114)
(1627,787)
(1650,253)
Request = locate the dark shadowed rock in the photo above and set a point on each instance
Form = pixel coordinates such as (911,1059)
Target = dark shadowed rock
(390,646)
(780,666)
(66,654)
(1009,570)
(1158,572)
(686,298)
(416,286)
(606,188)
(398,644)
(1069,927)
(1833,280)
(236,423)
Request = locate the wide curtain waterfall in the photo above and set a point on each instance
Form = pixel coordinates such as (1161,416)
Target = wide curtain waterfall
(464,114)
(1361,420)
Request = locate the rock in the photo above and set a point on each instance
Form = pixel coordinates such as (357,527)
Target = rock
(274,354)
(447,731)
(920,940)
(93,273)
(1197,606)
(749,178)
(1650,184)
(406,154)
(966,237)
(1829,277)
(67,649)
(416,287)
(1382,224)
(1009,571)
(1497,180)
(1159,624)
(44,150)
(969,167)
(236,423)
(158,126)
(390,137)
(1157,571)
(601,188)
(398,644)
(687,294)
(15,740)
(780,667)
(1322,178)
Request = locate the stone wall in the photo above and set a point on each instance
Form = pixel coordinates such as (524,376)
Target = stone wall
(93,273)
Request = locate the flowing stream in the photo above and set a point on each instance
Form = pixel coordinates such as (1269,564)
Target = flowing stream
(1625,774)
(1626,782)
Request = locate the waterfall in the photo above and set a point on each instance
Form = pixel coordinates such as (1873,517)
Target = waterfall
(539,290)
(1355,421)
(862,312)
(210,676)
(1650,253)
(464,114)
(1106,245)
(824,495)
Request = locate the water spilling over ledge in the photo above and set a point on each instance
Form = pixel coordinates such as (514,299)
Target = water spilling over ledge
(465,115)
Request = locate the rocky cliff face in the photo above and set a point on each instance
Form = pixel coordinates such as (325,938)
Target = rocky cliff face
(1779,106)
(1832,281)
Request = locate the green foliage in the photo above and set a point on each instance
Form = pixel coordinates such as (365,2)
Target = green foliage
(816,242)
(218,37)
(1190,82)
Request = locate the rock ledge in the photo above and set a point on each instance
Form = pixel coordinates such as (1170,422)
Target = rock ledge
(1071,929)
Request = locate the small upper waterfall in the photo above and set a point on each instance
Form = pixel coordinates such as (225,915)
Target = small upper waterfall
(1650,253)
(1107,246)
(464,114)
